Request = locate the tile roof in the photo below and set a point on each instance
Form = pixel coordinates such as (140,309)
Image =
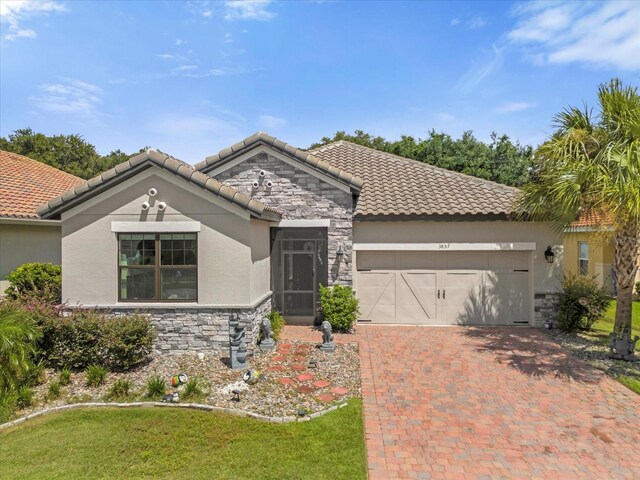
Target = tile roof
(26,183)
(592,219)
(145,160)
(397,186)
(261,138)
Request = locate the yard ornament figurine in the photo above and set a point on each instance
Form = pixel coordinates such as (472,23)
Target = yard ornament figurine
(237,345)
(267,342)
(327,337)
(621,347)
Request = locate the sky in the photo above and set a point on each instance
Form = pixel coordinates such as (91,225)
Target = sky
(191,78)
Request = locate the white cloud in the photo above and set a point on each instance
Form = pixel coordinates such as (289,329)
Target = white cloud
(481,69)
(187,67)
(15,12)
(454,22)
(512,107)
(165,56)
(179,42)
(69,96)
(248,10)
(228,38)
(601,34)
(271,122)
(475,22)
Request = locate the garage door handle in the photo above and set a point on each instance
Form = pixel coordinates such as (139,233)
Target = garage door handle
(444,293)
(438,293)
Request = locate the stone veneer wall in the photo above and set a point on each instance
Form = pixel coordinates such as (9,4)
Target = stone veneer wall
(545,307)
(300,195)
(193,329)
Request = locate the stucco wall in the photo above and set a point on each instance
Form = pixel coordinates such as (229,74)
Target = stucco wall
(299,195)
(600,256)
(546,278)
(27,243)
(260,259)
(226,273)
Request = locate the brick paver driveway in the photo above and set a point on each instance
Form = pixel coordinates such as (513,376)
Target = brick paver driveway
(491,403)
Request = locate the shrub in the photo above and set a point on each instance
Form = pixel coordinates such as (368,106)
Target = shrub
(8,404)
(65,376)
(156,386)
(87,337)
(24,397)
(339,306)
(35,375)
(120,389)
(54,391)
(638,290)
(18,336)
(581,303)
(43,280)
(96,375)
(192,389)
(277,323)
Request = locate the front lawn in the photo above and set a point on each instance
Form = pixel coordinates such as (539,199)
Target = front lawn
(175,443)
(603,328)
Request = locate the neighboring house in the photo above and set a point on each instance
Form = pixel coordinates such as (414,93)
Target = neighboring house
(25,237)
(261,224)
(588,252)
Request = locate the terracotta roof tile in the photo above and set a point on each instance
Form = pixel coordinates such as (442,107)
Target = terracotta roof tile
(591,220)
(26,184)
(397,186)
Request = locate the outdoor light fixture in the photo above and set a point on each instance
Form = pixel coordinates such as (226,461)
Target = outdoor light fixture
(549,256)
(236,395)
(339,253)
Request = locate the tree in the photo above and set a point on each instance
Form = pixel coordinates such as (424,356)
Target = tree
(591,166)
(70,153)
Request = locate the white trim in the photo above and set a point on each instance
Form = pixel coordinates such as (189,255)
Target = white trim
(604,228)
(288,160)
(29,221)
(155,227)
(444,246)
(302,223)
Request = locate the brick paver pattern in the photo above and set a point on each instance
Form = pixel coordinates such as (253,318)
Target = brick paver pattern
(491,403)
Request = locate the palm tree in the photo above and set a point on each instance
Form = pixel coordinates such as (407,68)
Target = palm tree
(591,166)
(18,337)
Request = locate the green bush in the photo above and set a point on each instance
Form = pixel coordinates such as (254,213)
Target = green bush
(54,391)
(96,375)
(192,389)
(8,404)
(339,306)
(24,396)
(43,280)
(35,375)
(277,323)
(581,303)
(638,290)
(87,337)
(65,376)
(120,389)
(18,336)
(156,386)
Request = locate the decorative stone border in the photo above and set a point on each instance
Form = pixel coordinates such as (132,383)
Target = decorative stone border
(192,406)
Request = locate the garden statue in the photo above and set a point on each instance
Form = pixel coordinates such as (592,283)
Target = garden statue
(237,345)
(621,347)
(327,337)
(267,342)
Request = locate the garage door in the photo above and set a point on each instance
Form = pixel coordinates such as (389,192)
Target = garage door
(438,288)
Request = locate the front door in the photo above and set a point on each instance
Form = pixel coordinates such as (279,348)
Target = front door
(298,267)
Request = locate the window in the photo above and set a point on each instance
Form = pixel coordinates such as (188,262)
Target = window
(583,258)
(157,267)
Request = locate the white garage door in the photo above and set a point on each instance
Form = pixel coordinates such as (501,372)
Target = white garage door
(438,288)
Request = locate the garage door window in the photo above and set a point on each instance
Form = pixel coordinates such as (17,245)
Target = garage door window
(584,258)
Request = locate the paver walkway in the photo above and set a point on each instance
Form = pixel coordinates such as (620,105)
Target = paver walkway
(491,403)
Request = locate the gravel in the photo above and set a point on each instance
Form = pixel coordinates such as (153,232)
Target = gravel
(267,397)
(595,354)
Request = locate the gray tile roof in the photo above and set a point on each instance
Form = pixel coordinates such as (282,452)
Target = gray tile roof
(396,186)
(142,161)
(261,138)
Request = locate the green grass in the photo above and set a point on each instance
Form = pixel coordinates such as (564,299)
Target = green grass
(630,382)
(602,328)
(173,443)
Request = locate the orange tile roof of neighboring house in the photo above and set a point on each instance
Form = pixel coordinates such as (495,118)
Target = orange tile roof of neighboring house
(590,220)
(26,184)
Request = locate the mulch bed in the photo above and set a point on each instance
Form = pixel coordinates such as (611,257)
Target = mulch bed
(298,377)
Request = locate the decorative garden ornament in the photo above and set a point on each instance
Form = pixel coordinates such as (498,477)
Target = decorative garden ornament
(327,337)
(237,345)
(621,347)
(267,342)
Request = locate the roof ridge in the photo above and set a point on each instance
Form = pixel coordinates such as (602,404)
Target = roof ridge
(423,164)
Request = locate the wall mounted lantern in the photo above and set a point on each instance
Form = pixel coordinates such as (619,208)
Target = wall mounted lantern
(549,256)
(339,252)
